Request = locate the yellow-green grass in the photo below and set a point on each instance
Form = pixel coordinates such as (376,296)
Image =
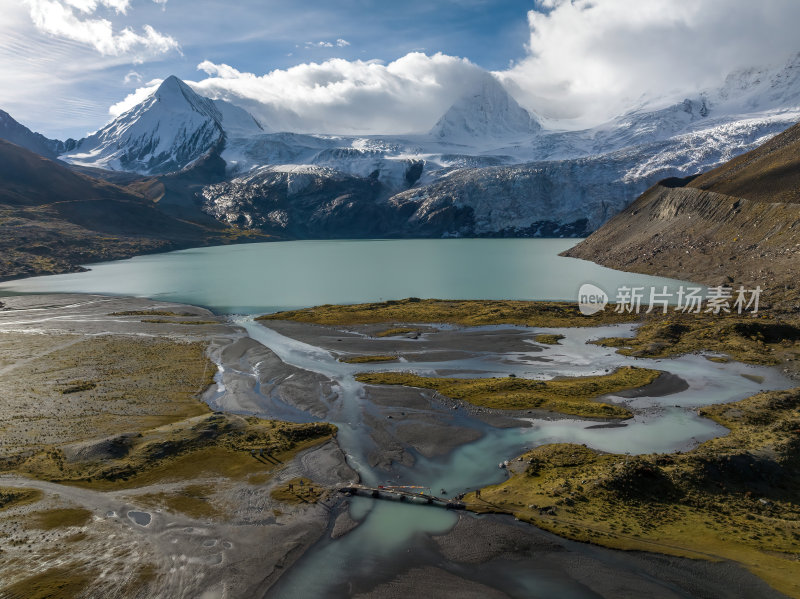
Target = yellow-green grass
(464,312)
(13,497)
(756,341)
(548,339)
(574,396)
(216,445)
(396,332)
(731,498)
(195,501)
(16,348)
(55,583)
(96,387)
(60,518)
(367,359)
(117,412)
(298,490)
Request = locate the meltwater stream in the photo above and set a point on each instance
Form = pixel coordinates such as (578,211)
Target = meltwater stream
(266,277)
(388,530)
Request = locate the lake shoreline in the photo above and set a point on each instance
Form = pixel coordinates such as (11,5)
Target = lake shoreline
(252,374)
(233,519)
(295,274)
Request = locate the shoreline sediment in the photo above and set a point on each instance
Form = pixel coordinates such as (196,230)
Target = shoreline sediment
(421,427)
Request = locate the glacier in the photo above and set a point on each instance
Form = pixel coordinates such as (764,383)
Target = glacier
(487,167)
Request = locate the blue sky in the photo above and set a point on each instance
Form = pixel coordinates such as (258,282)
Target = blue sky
(254,37)
(257,40)
(66,66)
(258,37)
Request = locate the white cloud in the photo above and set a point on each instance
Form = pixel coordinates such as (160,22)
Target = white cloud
(58,19)
(134,98)
(89,6)
(340,96)
(341,43)
(132,77)
(591,59)
(587,60)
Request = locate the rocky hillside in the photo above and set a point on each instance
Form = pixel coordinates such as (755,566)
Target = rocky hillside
(19,134)
(488,168)
(770,173)
(300,202)
(53,219)
(736,224)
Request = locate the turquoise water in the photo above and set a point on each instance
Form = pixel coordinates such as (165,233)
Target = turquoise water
(263,277)
(257,278)
(394,531)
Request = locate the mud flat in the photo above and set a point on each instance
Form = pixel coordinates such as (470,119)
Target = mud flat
(731,498)
(102,418)
(164,494)
(495,556)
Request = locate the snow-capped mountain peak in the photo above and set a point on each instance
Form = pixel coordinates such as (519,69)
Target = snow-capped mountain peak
(487,167)
(173,94)
(487,112)
(170,129)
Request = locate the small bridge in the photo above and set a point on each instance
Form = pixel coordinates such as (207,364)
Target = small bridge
(402,494)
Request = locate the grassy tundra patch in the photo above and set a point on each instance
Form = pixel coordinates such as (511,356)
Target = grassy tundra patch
(11,497)
(298,490)
(548,339)
(463,312)
(195,501)
(60,518)
(55,583)
(572,396)
(139,421)
(95,388)
(756,341)
(731,498)
(367,359)
(214,445)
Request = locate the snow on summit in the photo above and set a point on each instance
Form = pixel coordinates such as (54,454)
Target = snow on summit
(487,112)
(486,154)
(169,130)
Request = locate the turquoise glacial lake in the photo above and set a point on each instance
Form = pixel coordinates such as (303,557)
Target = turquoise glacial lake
(265,277)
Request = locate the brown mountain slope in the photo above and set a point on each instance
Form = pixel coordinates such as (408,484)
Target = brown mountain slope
(770,173)
(29,179)
(703,233)
(53,219)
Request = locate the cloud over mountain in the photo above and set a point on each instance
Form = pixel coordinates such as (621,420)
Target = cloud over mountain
(585,61)
(592,59)
(341,96)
